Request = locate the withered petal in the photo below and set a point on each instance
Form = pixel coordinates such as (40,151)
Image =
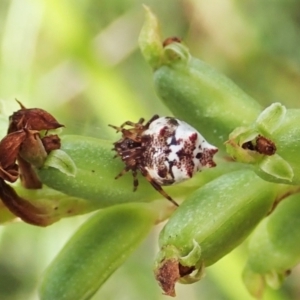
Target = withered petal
(20,103)
(11,174)
(10,147)
(28,177)
(167,275)
(21,207)
(32,118)
(32,149)
(51,142)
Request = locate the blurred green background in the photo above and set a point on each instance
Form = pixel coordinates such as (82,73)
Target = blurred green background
(79,59)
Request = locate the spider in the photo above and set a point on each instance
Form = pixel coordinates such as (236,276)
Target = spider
(165,150)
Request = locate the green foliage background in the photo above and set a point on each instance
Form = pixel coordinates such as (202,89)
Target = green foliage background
(80,61)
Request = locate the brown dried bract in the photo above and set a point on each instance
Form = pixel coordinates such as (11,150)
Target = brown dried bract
(27,175)
(249,146)
(167,275)
(24,144)
(33,119)
(9,150)
(185,271)
(169,272)
(171,40)
(51,142)
(21,150)
(32,149)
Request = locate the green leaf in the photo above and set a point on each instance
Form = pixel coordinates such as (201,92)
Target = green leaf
(218,217)
(176,51)
(150,41)
(277,167)
(234,146)
(274,280)
(60,160)
(271,118)
(274,247)
(96,250)
(254,282)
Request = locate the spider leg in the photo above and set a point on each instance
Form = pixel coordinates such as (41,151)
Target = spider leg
(124,171)
(128,133)
(130,156)
(155,117)
(135,180)
(133,124)
(115,127)
(158,188)
(139,126)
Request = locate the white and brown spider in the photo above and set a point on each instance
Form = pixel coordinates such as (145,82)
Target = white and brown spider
(165,150)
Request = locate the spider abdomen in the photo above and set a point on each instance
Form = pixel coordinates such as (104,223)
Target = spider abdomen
(175,151)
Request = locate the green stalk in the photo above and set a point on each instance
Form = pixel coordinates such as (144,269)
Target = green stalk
(274,248)
(96,250)
(210,223)
(193,90)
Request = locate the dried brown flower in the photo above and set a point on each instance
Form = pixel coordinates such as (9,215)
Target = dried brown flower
(25,145)
(21,150)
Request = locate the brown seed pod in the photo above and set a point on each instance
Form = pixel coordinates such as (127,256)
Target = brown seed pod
(171,40)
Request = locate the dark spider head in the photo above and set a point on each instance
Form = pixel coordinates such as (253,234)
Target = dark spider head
(126,144)
(132,147)
(130,151)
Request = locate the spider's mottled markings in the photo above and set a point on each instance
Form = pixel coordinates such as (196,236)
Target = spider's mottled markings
(165,150)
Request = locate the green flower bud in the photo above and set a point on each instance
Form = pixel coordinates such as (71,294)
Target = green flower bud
(150,40)
(210,223)
(197,93)
(274,247)
(271,144)
(93,177)
(49,206)
(96,250)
